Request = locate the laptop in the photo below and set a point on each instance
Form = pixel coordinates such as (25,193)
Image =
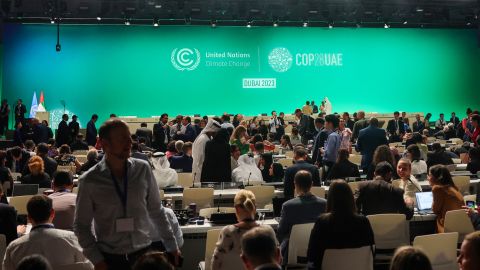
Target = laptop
(24,189)
(424,202)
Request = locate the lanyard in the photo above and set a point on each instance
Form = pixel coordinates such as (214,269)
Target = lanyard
(122,195)
(43,226)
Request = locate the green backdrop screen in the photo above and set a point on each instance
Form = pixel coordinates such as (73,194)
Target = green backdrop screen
(144,71)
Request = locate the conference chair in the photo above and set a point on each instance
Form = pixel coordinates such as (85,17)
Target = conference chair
(42,190)
(3,247)
(80,153)
(298,245)
(16,176)
(161,193)
(457,160)
(390,231)
(75,266)
(355,159)
(24,189)
(440,248)
(348,258)
(70,168)
(263,194)
(463,184)
(75,190)
(185,179)
(286,162)
(458,221)
(451,167)
(472,197)
(202,197)
(288,129)
(318,191)
(81,158)
(212,238)
(207,212)
(20,203)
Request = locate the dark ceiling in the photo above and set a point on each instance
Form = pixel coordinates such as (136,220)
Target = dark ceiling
(368,13)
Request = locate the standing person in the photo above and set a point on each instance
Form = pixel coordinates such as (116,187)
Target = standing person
(307,109)
(300,156)
(303,126)
(120,195)
(346,134)
(74,127)
(217,164)
(63,132)
(92,131)
(395,128)
(314,107)
(20,111)
(4,113)
(368,141)
(146,133)
(349,123)
(239,139)
(332,144)
(275,126)
(198,148)
(360,124)
(161,133)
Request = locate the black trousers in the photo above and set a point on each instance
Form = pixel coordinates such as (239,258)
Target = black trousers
(127,261)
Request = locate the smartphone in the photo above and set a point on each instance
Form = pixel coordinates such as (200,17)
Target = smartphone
(471,204)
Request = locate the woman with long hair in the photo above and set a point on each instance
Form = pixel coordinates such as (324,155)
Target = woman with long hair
(446,196)
(341,227)
(239,139)
(382,153)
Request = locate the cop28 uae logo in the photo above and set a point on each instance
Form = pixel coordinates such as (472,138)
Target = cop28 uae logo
(280,59)
(185,59)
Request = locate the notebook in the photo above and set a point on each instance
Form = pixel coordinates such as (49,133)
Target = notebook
(424,202)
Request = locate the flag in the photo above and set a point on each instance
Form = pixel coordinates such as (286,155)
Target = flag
(41,105)
(34,108)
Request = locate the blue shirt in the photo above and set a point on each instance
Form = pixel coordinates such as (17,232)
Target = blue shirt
(331,147)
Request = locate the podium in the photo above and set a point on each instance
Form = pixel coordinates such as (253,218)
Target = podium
(43,116)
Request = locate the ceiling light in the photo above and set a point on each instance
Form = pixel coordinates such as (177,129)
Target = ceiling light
(214,23)
(330,26)
(419,9)
(305,24)
(155,24)
(275,24)
(99,18)
(127,22)
(386,26)
(405,22)
(249,24)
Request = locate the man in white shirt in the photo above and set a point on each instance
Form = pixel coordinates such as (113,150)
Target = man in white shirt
(276,127)
(58,246)
(440,123)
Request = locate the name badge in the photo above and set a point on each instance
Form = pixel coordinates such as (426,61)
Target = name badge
(124,225)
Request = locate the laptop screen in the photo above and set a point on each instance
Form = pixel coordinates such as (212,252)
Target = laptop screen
(424,200)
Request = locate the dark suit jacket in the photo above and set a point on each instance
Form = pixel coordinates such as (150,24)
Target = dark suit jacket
(91,133)
(78,145)
(190,134)
(343,170)
(359,125)
(455,121)
(40,134)
(440,157)
(8,222)
(418,126)
(289,185)
(63,134)
(319,142)
(300,210)
(42,180)
(20,111)
(74,130)
(159,131)
(381,197)
(182,162)
(304,125)
(392,129)
(145,133)
(368,140)
(22,162)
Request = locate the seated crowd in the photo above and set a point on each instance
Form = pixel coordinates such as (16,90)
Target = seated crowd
(117,220)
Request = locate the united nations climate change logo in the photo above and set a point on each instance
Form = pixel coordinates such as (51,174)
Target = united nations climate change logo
(280,59)
(185,59)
